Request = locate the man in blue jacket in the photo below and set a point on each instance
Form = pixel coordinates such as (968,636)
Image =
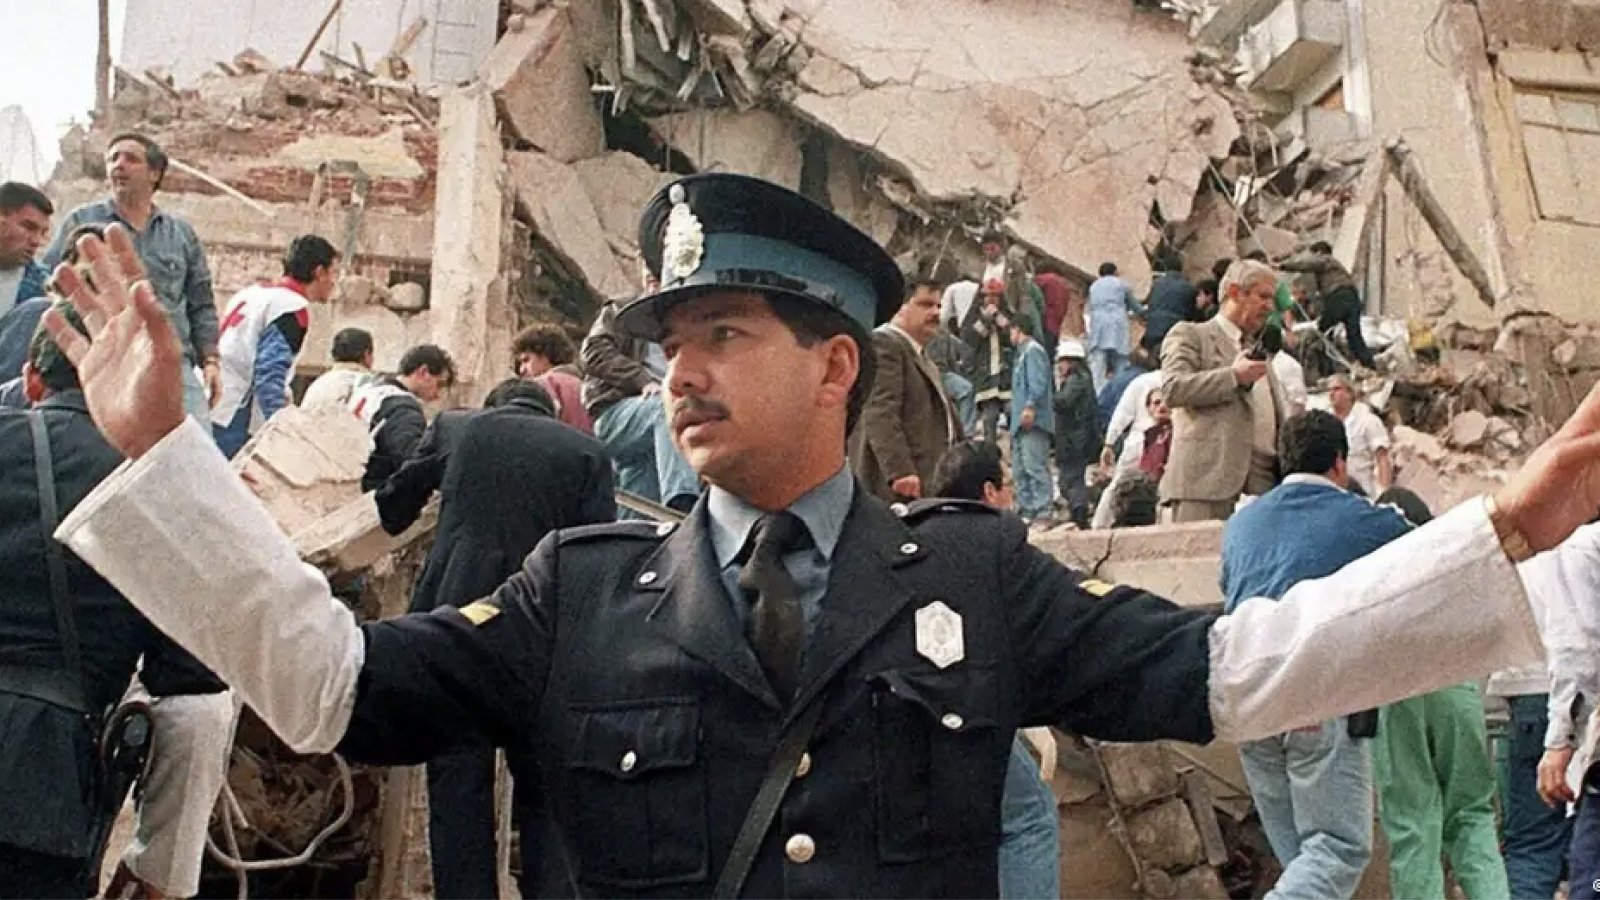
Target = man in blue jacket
(1033,421)
(1312,786)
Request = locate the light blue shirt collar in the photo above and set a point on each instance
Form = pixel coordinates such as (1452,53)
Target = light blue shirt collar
(823,509)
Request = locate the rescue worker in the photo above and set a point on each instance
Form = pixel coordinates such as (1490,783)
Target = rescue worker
(799,690)
(262,333)
(391,408)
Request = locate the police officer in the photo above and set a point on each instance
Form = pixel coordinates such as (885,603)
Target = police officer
(69,643)
(797,681)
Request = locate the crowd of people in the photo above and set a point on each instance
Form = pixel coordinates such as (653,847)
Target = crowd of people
(954,405)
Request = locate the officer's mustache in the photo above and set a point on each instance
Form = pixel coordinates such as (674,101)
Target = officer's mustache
(690,411)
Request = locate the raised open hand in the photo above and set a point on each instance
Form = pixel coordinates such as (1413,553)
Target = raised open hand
(131,364)
(1558,488)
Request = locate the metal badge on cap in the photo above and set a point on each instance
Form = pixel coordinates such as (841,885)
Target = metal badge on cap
(684,244)
(939,636)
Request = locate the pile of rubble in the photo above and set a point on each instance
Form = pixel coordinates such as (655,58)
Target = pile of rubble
(269,135)
(1064,124)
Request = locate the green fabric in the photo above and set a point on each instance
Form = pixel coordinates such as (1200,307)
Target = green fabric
(1032,312)
(1282,302)
(1436,795)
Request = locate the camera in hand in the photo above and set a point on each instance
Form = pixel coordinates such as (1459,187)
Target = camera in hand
(1268,341)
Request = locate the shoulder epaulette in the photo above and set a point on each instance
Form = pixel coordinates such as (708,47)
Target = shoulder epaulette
(636,529)
(922,509)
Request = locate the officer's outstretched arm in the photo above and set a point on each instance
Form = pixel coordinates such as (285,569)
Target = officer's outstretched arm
(185,541)
(1437,606)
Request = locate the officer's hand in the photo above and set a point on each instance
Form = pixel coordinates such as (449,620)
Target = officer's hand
(1558,488)
(131,364)
(1248,371)
(1553,789)
(909,486)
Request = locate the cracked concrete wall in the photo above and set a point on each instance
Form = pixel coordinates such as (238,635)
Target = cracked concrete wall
(537,74)
(1078,115)
(755,142)
(1179,562)
(1435,115)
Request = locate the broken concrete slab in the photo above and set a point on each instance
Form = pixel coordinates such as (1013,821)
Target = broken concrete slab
(1277,243)
(554,199)
(1580,351)
(1468,430)
(619,184)
(470,306)
(1425,446)
(1165,836)
(540,85)
(305,465)
(852,197)
(1179,562)
(1139,773)
(361,290)
(754,142)
(350,540)
(408,297)
(1077,116)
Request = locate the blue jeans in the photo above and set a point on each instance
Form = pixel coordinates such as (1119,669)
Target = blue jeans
(1030,841)
(1313,790)
(1583,859)
(1030,463)
(960,392)
(634,431)
(1534,836)
(1104,365)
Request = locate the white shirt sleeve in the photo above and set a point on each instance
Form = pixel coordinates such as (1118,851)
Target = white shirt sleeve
(1127,409)
(1435,607)
(179,535)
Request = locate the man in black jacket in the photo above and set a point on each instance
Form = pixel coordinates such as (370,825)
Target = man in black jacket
(391,408)
(507,476)
(1172,299)
(52,811)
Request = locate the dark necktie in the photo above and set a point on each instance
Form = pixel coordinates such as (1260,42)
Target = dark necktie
(777,627)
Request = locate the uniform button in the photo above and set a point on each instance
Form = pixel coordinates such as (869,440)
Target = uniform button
(952,721)
(629,760)
(804,766)
(664,529)
(800,848)
(908,548)
(647,578)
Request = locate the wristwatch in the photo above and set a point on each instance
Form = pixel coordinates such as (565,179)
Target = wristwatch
(1512,540)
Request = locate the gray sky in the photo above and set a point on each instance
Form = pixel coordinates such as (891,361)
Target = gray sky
(48,63)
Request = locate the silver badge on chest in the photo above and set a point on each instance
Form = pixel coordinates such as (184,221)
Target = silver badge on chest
(939,636)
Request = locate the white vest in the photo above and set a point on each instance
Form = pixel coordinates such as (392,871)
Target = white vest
(366,400)
(248,314)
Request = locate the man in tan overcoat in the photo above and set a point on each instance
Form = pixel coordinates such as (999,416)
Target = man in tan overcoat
(1226,405)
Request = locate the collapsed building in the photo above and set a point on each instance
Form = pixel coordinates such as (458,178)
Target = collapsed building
(487,169)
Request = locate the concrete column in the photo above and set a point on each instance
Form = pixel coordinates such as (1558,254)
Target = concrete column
(472,315)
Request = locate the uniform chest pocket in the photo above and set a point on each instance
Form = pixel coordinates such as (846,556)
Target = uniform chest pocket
(640,800)
(939,758)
